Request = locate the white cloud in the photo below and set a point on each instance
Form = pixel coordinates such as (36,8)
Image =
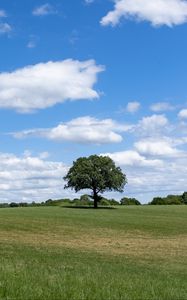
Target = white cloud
(91,130)
(46,84)
(133,158)
(30,178)
(158,147)
(157,12)
(133,107)
(183,114)
(152,125)
(44,10)
(155,164)
(161,106)
(5,28)
(81,130)
(146,183)
(148,178)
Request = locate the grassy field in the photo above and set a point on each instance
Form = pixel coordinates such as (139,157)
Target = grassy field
(130,253)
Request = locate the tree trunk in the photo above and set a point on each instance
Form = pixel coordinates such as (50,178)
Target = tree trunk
(95,198)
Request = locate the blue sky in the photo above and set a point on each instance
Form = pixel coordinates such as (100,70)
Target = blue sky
(92,77)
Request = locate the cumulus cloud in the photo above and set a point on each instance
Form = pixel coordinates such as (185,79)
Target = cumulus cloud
(81,130)
(133,107)
(183,114)
(152,125)
(149,176)
(158,147)
(30,178)
(157,12)
(46,84)
(155,163)
(92,130)
(133,158)
(146,183)
(44,10)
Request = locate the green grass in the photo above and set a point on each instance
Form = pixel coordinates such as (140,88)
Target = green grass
(130,253)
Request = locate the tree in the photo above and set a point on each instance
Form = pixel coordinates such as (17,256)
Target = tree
(168,200)
(13,204)
(184,198)
(129,201)
(97,173)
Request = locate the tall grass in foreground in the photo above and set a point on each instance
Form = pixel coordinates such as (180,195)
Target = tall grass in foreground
(125,253)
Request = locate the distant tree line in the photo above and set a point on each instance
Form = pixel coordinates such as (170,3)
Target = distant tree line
(87,200)
(170,200)
(84,200)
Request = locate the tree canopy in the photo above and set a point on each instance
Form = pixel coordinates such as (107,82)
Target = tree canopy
(168,200)
(98,173)
(129,201)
